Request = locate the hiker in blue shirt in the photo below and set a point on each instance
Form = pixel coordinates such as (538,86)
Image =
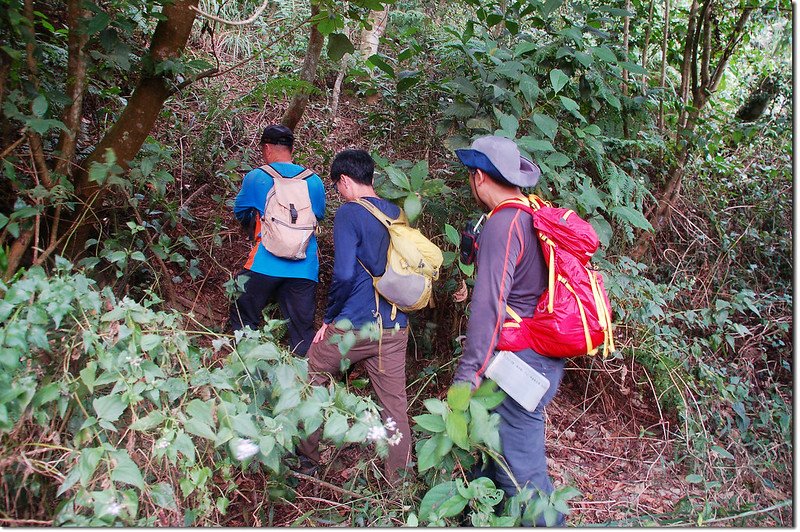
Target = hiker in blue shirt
(293,283)
(361,243)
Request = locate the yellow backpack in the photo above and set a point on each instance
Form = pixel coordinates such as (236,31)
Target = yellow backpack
(412,263)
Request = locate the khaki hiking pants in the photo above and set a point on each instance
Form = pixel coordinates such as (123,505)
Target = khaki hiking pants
(389,385)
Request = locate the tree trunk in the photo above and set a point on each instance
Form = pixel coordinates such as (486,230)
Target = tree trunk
(370,39)
(663,77)
(647,44)
(699,81)
(76,86)
(308,74)
(126,136)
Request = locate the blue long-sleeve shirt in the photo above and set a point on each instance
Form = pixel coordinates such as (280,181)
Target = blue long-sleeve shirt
(253,194)
(358,235)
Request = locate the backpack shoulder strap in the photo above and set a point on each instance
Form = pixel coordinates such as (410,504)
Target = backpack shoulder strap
(272,172)
(303,174)
(306,173)
(377,213)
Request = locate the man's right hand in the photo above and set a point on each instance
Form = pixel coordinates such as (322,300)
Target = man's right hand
(320,334)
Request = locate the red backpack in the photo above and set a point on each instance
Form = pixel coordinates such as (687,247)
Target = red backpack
(573,316)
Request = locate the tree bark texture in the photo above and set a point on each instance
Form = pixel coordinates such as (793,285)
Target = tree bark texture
(308,73)
(76,87)
(370,38)
(126,137)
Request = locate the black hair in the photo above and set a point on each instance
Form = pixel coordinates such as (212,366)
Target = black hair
(357,164)
(496,177)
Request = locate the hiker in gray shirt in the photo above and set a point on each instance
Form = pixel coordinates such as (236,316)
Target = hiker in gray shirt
(511,272)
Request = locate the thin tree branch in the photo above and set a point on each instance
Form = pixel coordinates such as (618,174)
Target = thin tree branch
(245,22)
(215,72)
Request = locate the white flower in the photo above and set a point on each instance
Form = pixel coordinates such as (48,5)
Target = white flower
(369,417)
(376,433)
(390,424)
(245,449)
(114,508)
(162,444)
(395,439)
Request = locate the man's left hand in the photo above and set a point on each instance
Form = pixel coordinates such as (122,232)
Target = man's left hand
(320,334)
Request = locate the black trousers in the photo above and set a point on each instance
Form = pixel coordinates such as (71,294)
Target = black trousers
(296,299)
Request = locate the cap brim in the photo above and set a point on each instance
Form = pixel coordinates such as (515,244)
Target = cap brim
(529,173)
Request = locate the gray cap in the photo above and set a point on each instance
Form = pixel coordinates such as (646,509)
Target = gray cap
(500,156)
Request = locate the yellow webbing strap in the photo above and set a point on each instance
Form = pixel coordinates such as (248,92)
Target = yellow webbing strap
(583,316)
(515,317)
(603,314)
(551,277)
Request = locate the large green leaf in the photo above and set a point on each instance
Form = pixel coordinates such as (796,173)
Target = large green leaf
(443,500)
(163,496)
(458,396)
(109,407)
(546,125)
(604,53)
(151,420)
(412,206)
(335,427)
(338,45)
(198,428)
(456,426)
(126,470)
(558,79)
(631,216)
(452,234)
(426,456)
(430,422)
(531,144)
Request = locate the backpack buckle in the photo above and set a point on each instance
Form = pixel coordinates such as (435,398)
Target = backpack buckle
(293,213)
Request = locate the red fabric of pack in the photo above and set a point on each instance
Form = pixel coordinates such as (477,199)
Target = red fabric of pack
(573,316)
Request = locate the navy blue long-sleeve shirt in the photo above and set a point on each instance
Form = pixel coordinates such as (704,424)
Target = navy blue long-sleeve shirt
(358,235)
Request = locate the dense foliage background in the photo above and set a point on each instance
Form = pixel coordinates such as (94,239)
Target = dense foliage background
(127,126)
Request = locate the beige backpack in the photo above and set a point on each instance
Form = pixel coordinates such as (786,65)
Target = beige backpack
(289,220)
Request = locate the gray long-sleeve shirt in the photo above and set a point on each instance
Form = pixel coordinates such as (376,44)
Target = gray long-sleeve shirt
(510,271)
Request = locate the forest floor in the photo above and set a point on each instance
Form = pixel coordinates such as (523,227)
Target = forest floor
(606,435)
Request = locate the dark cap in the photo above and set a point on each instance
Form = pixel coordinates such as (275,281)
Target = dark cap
(277,134)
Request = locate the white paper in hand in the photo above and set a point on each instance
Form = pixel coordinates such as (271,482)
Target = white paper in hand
(520,381)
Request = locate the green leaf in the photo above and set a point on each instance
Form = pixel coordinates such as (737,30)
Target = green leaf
(603,53)
(435,406)
(397,177)
(569,104)
(633,68)
(244,425)
(200,410)
(335,427)
(558,79)
(694,479)
(126,470)
(632,216)
(458,396)
(433,503)
(109,407)
(151,420)
(198,428)
(338,46)
(88,375)
(525,47)
(150,342)
(603,229)
(532,144)
(509,124)
(418,174)
(163,496)
(546,125)
(430,422)
(456,426)
(378,61)
(426,456)
(88,462)
(557,159)
(39,106)
(452,234)
(46,394)
(412,206)
(722,452)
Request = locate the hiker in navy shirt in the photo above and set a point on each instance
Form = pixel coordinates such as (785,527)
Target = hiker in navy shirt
(361,243)
(293,283)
